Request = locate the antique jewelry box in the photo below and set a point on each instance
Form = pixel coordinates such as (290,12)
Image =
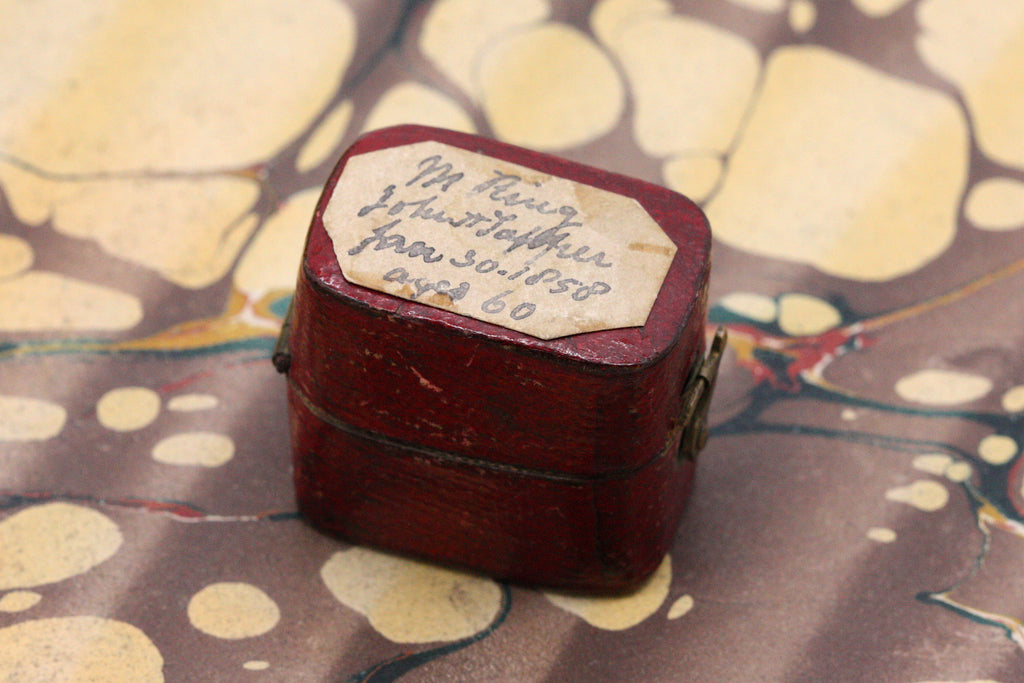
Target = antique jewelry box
(495,360)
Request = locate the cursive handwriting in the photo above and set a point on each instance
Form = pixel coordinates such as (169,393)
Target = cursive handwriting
(423,285)
(507,221)
(553,239)
(381,240)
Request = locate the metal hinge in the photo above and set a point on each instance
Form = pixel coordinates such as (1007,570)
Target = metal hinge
(697,399)
(282,358)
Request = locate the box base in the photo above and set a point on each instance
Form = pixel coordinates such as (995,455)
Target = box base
(525,526)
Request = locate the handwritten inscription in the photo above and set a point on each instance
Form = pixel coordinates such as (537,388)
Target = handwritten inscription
(496,241)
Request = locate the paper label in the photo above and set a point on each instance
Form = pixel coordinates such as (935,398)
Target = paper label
(496,241)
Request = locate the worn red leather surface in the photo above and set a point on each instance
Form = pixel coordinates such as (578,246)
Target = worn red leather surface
(425,432)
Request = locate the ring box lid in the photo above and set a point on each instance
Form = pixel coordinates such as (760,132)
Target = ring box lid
(596,403)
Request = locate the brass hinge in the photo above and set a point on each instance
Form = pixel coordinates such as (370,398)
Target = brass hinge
(282,358)
(697,399)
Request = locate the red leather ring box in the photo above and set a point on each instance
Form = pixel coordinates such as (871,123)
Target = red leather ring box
(451,433)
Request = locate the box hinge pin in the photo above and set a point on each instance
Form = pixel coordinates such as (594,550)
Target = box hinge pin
(282,358)
(697,399)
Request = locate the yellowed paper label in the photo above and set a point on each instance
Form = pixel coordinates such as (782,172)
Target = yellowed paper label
(496,241)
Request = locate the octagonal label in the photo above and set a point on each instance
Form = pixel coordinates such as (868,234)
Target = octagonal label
(496,241)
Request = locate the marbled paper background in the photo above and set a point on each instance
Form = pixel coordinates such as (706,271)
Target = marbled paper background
(858,514)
